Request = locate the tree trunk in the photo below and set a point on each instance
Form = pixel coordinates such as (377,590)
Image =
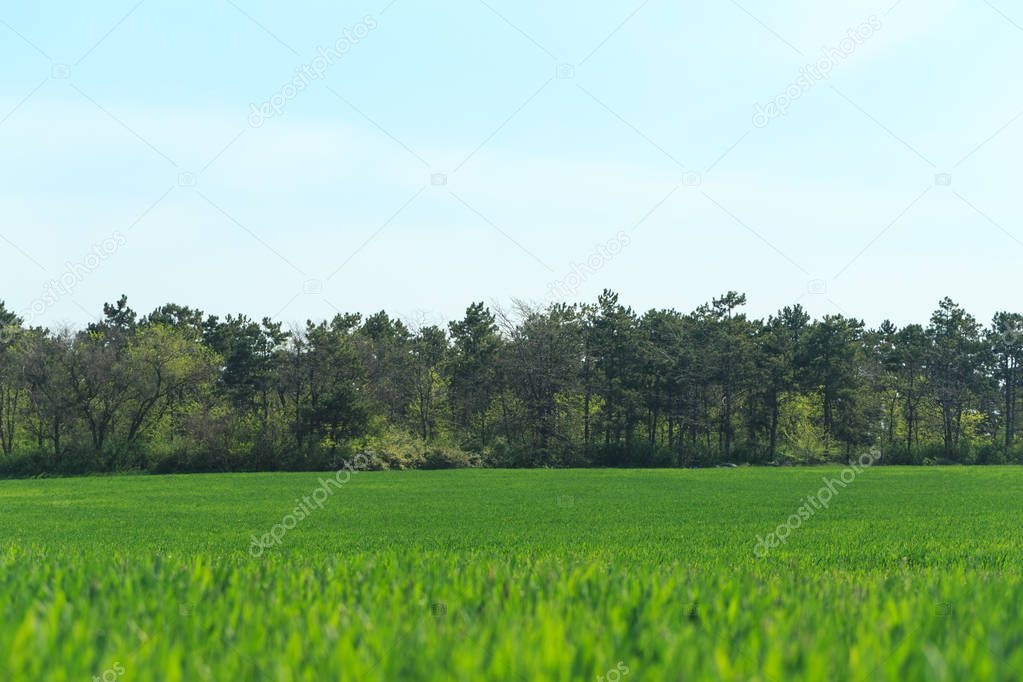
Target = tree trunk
(772,449)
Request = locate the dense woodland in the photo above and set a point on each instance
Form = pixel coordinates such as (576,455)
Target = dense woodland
(564,385)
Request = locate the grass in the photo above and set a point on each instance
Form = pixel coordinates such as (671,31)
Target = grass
(910,574)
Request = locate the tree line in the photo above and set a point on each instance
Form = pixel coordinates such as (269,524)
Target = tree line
(594,384)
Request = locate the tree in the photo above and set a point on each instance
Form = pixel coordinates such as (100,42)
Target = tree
(251,356)
(45,370)
(189,322)
(1006,340)
(559,385)
(829,352)
(781,341)
(387,356)
(10,385)
(472,371)
(328,383)
(165,369)
(907,361)
(612,345)
(954,363)
(732,351)
(543,354)
(660,353)
(429,348)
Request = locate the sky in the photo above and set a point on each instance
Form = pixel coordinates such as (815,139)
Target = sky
(298,159)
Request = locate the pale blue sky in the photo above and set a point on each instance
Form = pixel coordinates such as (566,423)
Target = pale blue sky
(110,109)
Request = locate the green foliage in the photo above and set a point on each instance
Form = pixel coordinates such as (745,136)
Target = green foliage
(557,386)
(395,449)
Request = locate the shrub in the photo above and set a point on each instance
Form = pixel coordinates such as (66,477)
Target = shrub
(396,449)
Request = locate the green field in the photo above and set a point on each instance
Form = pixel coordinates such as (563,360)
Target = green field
(909,574)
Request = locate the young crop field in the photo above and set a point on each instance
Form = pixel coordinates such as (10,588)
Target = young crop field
(614,575)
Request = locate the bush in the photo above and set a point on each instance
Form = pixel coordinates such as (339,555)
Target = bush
(395,449)
(988,453)
(448,457)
